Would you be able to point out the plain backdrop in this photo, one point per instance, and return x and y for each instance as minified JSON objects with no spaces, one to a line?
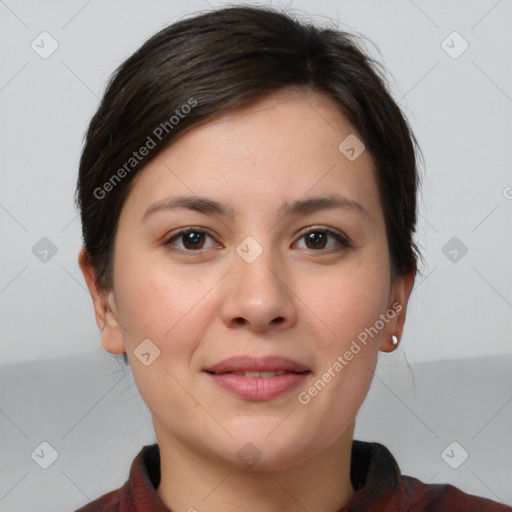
{"x":458,"y":101}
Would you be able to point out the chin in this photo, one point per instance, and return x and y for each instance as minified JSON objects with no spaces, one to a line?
{"x":261,"y":446}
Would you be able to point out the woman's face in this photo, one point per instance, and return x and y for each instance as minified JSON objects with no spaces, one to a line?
{"x":248,"y":281}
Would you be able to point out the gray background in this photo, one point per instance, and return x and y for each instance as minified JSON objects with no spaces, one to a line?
{"x":56,"y":383}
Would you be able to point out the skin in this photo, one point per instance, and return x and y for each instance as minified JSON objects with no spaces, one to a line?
{"x":296,"y":300}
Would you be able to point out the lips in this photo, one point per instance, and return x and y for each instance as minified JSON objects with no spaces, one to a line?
{"x":251,"y":367}
{"x":254,"y":379}
{"x":258,"y":375}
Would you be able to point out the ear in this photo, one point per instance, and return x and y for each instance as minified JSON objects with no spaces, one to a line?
{"x":105,"y":307}
{"x":398,"y":300}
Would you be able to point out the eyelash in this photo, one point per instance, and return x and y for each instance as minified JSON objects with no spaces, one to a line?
{"x":341,"y":239}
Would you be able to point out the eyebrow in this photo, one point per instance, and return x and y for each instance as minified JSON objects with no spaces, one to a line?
{"x":300,"y":206}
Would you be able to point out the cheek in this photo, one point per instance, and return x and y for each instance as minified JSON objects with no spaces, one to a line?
{"x":349,"y":303}
{"x":158,"y":302}
{"x":165,"y":308}
{"x":346,"y":303}
{"x":147,"y":305}
{"x":144,"y":303}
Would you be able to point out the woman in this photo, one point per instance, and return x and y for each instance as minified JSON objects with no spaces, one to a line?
{"x":248,"y":199}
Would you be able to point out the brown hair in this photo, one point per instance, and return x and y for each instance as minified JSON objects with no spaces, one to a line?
{"x":202,"y":67}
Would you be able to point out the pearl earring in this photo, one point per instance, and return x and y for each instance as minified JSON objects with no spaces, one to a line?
{"x":394,"y":340}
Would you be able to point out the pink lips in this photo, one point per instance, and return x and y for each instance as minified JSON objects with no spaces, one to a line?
{"x":253,"y":364}
{"x":258,"y":378}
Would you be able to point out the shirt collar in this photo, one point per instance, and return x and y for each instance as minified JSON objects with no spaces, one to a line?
{"x":374,"y":473}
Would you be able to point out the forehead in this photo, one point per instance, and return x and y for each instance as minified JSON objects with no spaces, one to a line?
{"x":279,"y":149}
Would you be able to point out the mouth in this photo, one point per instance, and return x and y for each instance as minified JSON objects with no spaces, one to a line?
{"x":258,"y":367}
{"x":257,"y":375}
{"x":258,"y":378}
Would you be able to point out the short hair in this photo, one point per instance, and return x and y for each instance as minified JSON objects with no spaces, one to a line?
{"x":207,"y":65}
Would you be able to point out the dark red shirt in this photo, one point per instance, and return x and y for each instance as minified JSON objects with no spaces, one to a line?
{"x":374,"y":472}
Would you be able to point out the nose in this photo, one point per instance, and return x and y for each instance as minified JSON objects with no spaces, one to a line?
{"x":258,"y":295}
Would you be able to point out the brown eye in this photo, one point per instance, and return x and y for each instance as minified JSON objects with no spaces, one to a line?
{"x":193,"y":240}
{"x":315,"y":240}
{"x":319,"y":239}
{"x":189,"y":240}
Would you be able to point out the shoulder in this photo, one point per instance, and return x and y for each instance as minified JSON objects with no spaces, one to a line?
{"x":109,"y":502}
{"x":380,"y":485}
{"x":423,"y":497}
{"x":139,"y":491}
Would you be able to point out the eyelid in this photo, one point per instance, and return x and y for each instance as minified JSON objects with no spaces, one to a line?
{"x":339,"y":236}
{"x":188,"y":229}
{"x":183,"y":231}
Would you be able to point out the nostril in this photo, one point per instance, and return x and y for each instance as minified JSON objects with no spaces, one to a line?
{"x":278,"y":320}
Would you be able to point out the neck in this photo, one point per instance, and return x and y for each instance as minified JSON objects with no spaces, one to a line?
{"x":191,"y":481}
